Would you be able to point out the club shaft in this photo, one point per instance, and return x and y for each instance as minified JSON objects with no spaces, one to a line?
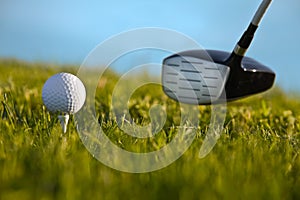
{"x":260,"y":12}
{"x":246,"y":39}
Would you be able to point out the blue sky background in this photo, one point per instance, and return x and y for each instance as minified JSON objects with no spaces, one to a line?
{"x":66,"y":31}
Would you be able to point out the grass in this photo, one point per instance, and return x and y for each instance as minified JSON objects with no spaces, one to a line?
{"x":257,"y":156}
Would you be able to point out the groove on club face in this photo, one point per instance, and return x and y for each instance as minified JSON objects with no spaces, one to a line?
{"x":192,"y":80}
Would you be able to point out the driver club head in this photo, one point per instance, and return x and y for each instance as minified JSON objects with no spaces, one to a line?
{"x":211,"y":76}
{"x":203,"y":77}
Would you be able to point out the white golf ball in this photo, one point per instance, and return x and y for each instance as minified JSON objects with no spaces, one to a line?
{"x":63,"y":92}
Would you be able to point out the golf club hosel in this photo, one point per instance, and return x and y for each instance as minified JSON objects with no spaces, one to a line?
{"x":246,"y":39}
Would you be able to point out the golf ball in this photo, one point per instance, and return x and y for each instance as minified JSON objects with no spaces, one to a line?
{"x":63,"y":92}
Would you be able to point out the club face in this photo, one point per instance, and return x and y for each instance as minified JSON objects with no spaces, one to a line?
{"x":182,"y":84}
{"x":193,"y":80}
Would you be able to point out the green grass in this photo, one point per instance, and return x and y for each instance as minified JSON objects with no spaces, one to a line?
{"x":257,"y":156}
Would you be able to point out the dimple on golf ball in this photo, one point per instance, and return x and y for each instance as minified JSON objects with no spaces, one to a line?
{"x":63,"y":92}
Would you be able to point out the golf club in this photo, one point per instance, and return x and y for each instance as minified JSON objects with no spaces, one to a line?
{"x":210,"y":76}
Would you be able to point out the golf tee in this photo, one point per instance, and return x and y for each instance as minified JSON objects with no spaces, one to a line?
{"x":63,"y":119}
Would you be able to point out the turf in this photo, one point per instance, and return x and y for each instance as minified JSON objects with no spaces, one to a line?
{"x":256,"y":157}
